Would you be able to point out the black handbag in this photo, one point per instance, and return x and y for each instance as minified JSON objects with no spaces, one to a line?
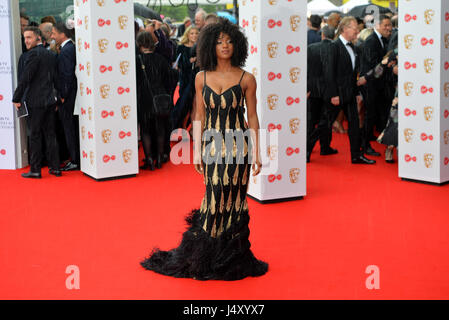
{"x":162,"y":103}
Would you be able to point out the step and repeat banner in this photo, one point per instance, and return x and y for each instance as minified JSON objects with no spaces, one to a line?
{"x":277,"y":35}
{"x":7,"y":113}
{"x":424,"y":90}
{"x":106,"y":98}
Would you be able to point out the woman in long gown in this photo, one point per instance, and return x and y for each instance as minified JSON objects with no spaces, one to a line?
{"x":216,"y":244}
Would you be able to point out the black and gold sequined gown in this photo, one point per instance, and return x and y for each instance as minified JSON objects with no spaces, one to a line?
{"x":216,"y":244}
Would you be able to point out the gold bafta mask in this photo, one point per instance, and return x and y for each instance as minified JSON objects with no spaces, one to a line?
{"x":106,"y":135}
{"x":91,"y":157}
{"x":408,"y":88}
{"x":408,"y":135}
{"x":294,"y":125}
{"x":126,"y":112}
{"x":272,"y":100}
{"x":446,"y":89}
{"x":272,"y":152}
{"x":83,"y":132}
{"x":100,"y":3}
{"x":446,"y":40}
{"x":90,"y":112}
{"x":446,"y":137}
{"x":428,"y":16}
{"x":124,"y":67}
{"x":295,"y":22}
{"x":81,"y":89}
{"x":243,"y":2}
{"x":86,"y":22}
{"x":88,"y":68}
{"x":255,"y":72}
{"x":294,"y":175}
{"x":80,"y":44}
{"x":294,"y":74}
{"x":127,"y":155}
{"x":104,"y":91}
{"x":77,"y":3}
{"x":254,"y":23}
{"x":428,"y":113}
{"x":428,"y":160}
{"x":408,"y":41}
{"x":103,"y":45}
{"x":272,"y":2}
{"x":272,"y":49}
{"x":122,"y":22}
{"x":428,"y":65}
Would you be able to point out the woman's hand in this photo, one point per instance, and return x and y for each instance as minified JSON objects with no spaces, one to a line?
{"x":257,"y":165}
{"x":198,"y":163}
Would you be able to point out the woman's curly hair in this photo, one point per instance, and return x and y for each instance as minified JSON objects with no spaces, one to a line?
{"x":207,"y":41}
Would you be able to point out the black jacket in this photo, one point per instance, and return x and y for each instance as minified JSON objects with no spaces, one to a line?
{"x":67,"y":84}
{"x":317,"y":58}
{"x":340,"y":77}
{"x":372,"y":55}
{"x":38,"y":79}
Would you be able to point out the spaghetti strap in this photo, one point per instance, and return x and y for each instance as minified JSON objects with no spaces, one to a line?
{"x":242,"y":77}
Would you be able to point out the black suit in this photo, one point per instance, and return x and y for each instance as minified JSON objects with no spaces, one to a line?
{"x":67,"y":85}
{"x":377,"y":104}
{"x":317,"y":103}
{"x":341,"y":80}
{"x":36,"y":89}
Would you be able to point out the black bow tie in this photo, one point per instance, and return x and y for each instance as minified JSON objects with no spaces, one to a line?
{"x":351,"y":45}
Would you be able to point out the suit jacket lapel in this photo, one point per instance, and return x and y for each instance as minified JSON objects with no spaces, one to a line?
{"x":345,"y":52}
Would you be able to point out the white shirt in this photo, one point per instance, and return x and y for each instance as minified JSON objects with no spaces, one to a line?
{"x":64,"y":43}
{"x":380,"y":38}
{"x":349,"y":49}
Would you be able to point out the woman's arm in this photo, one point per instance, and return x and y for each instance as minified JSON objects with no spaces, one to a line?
{"x":198,"y":122}
{"x":250,"y":88}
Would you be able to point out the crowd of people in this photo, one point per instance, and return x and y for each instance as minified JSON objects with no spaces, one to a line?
{"x":352,"y":74}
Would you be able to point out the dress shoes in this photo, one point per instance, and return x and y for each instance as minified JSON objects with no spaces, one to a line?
{"x":70,"y":166}
{"x":54,"y":172}
{"x":371,"y":152}
{"x":165,"y":158}
{"x":362,"y":160}
{"x":33,"y":175}
{"x":159,"y":162}
{"x":328,"y":151}
{"x":148,"y":164}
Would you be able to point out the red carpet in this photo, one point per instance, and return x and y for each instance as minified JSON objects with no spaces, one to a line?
{"x":318,"y":248}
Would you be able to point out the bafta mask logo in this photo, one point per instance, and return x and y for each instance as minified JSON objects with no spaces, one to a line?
{"x":446,"y":40}
{"x":294,"y":74}
{"x":255,"y":73}
{"x":90,"y":112}
{"x":80,"y":44}
{"x":428,"y":113}
{"x":428,"y":65}
{"x":408,"y":88}
{"x":294,"y":175}
{"x":254,"y":23}
{"x":103,"y":45}
{"x":83,"y":132}
{"x":272,"y":49}
{"x":272,"y":100}
{"x":86,"y":22}
{"x":127,"y":154}
{"x":100,"y":3}
{"x":106,"y":135}
{"x":408,"y":135}
{"x":446,"y":137}
{"x":91,"y":157}
{"x":81,"y":89}
{"x":446,"y":89}
{"x":408,"y":41}
{"x":243,"y":2}
{"x":88,"y":68}
{"x":272,"y":152}
{"x":104,"y":91}
{"x":428,"y":16}
{"x":126,"y":112}
{"x":428,"y":160}
{"x":124,"y":67}
{"x":295,"y":22}
{"x":294,"y":125}
{"x":123,"y":22}
{"x":272,"y":2}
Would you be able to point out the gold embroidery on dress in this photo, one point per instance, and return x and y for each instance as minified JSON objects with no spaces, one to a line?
{"x":223,"y":148}
{"x":245,"y":205}
{"x":215,"y":175}
{"x":222,"y":202}
{"x":238,"y":202}
{"x":213,"y":233}
{"x":229,"y":204}
{"x":234,"y":100}
{"x":226,"y":176}
{"x":236,"y":176}
{"x":212,"y":203}
{"x":212,"y":102}
{"x":223,"y":102}
{"x":245,"y":175}
{"x":212,"y":148}
{"x":245,"y":147}
{"x":229,"y":222}
{"x":220,"y":229}
{"x":217,"y":124}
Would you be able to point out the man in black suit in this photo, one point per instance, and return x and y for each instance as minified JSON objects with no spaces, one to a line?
{"x":318,"y":102}
{"x":313,"y":35}
{"x":38,"y":80}
{"x":340,"y":74}
{"x":67,"y":87}
{"x":377,"y":102}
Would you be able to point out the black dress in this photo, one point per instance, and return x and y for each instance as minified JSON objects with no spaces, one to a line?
{"x":216,"y":245}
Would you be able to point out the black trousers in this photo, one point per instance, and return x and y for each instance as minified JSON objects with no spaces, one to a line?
{"x":71,"y":130}
{"x":318,"y":126}
{"x":377,"y":109}
{"x":42,"y":125}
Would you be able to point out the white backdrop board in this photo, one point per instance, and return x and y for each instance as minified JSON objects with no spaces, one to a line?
{"x":106,"y":96}
{"x":277,"y":35}
{"x":424,"y":90}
